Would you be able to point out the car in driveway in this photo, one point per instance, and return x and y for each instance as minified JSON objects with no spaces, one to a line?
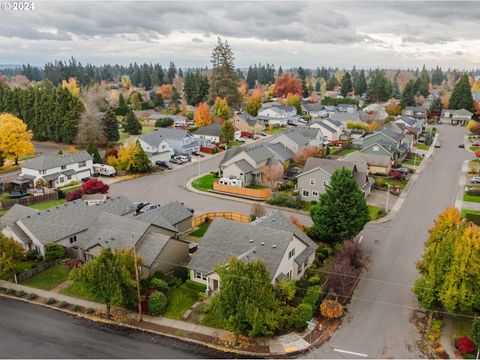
{"x":177,"y":161}
{"x":183,"y":158}
{"x":401,"y":170}
{"x":475,"y":180}
{"x":163,"y":164}
{"x":147,"y":208}
{"x":438,"y":145}
{"x":198,"y":153}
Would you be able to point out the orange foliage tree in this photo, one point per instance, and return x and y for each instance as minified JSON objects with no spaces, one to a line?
{"x":331,"y":309}
{"x":202,"y":115}
{"x":304,"y":153}
{"x":254,"y":101}
{"x":166,"y":91}
{"x":271,"y":175}
{"x":476,"y":107}
{"x":393,"y":109}
{"x":287,"y":83}
{"x":297,"y":222}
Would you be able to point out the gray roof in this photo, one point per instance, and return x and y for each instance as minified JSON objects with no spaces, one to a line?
{"x":326,"y":164}
{"x":62,"y":221}
{"x":45,"y":162}
{"x":416,"y":108}
{"x":407,"y":119}
{"x":335,"y":122}
{"x":226,"y":238}
{"x":172,"y":134}
{"x":323,"y":125}
{"x":309,"y":133}
{"x":210,"y":130}
{"x":150,"y":246}
{"x":281,"y":152}
{"x":313,"y":107}
{"x":153,"y":139}
{"x":250,"y":120}
{"x":287,"y":108}
{"x":259,"y":153}
{"x":391,"y":134}
{"x":344,"y":116}
{"x":296,"y":136}
{"x":244,"y":166}
{"x":12,"y":216}
{"x":371,"y":159}
{"x":166,"y":216}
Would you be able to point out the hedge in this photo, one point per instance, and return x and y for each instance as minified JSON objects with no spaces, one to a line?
{"x":286,"y":201}
{"x":305,"y":313}
{"x":157,"y":303}
{"x":308,"y":306}
{"x":195,"y":286}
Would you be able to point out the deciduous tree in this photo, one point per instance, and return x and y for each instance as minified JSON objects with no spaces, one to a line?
{"x":15,"y":139}
{"x":271,"y":175}
{"x":287,"y":84}
{"x":10,"y":254}
{"x":221,"y":109}
{"x":227,"y":132}
{"x":202,"y":115}
{"x":294,"y":100}
{"x":71,"y":85}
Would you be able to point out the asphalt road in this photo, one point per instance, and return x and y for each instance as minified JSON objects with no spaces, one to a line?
{"x":377,"y":324}
{"x":31,"y":331}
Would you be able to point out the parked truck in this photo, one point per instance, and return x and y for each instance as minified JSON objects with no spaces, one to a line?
{"x":104,"y":170}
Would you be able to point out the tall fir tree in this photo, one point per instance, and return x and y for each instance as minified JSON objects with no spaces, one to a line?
{"x":171,"y":72}
{"x":379,"y":89}
{"x":110,"y":124}
{"x":141,"y":161}
{"x":461,"y":97}
{"x":408,"y":95}
{"x":93,"y":151}
{"x":346,"y":85}
{"x":131,"y":123}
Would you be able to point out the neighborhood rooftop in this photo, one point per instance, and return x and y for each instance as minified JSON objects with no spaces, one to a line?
{"x":45,"y":162}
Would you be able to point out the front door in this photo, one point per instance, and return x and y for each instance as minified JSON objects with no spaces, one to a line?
{"x":215,"y":285}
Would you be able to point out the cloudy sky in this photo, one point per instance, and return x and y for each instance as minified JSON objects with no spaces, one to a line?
{"x":365,"y":34}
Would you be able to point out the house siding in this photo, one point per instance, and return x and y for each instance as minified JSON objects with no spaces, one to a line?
{"x":303,"y":180}
{"x":172,"y":255}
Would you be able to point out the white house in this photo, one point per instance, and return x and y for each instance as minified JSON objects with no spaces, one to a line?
{"x":328,"y":131}
{"x":156,"y":147}
{"x":58,"y":170}
{"x":209,"y":133}
{"x":278,"y":111}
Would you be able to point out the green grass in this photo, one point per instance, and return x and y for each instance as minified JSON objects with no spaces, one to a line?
{"x":235,"y":143}
{"x":145,"y":130}
{"x":466,"y":211}
{"x":422,"y":146}
{"x":471,"y":198}
{"x":254,"y":186}
{"x":374,"y":212}
{"x":180,"y":299}
{"x":392,"y":182}
{"x":414,"y":162}
{"x":48,"y":204}
{"x":78,"y":291}
{"x":346,"y":152}
{"x":201,"y":230}
{"x":474,"y":148}
{"x":205,"y":183}
{"x":48,"y":279}
{"x":23,"y":266}
{"x":275,"y":130}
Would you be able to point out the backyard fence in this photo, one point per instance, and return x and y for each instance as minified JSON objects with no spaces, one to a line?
{"x":261,"y":194}
{"x":29,"y":273}
{"x":29,"y":200}
{"x":196,"y":221}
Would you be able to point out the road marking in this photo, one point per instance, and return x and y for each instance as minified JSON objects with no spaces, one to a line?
{"x":360,"y":240}
{"x":350,"y":352}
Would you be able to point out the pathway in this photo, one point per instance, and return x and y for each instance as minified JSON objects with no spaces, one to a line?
{"x":62,"y":286}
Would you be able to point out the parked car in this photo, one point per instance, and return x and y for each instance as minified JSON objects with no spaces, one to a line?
{"x":230,"y":182}
{"x":183,"y":158}
{"x":198,"y":153}
{"x":147,"y":208}
{"x":139,"y":205}
{"x":163,"y":164}
{"x":395,"y":174}
{"x":475,"y":180}
{"x":177,"y":161}
{"x":262,"y":133}
{"x":403,"y":171}
{"x":291,"y":172}
{"x":105,"y":170}
{"x":461,"y":146}
{"x":438,"y":145}
{"x":240,"y":139}
{"x":422,"y":141}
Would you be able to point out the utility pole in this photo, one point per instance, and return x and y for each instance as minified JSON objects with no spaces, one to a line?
{"x":137,"y":280}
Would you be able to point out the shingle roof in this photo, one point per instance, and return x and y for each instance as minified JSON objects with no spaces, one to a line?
{"x":323,"y":125}
{"x":166,"y":216}
{"x":309,"y":133}
{"x":326,"y":164}
{"x":281,"y":152}
{"x":244,"y":166}
{"x":225,"y":238}
{"x":371,"y":159}
{"x":407,"y":119}
{"x":296,"y":136}
{"x":210,"y":130}
{"x":313,"y":107}
{"x":416,"y":108}
{"x":150,"y":246}
{"x":173,"y":134}
{"x":287,"y":108}
{"x":11,"y":217}
{"x":250,"y":120}
{"x":391,"y":134}
{"x":259,"y":153}
{"x":344,"y":116}
{"x":153,"y":139}
{"x":45,"y":162}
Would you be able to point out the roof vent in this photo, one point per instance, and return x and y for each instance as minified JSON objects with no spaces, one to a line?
{"x":274,"y":246}
{"x":262,"y":243}
{"x":251,"y":241}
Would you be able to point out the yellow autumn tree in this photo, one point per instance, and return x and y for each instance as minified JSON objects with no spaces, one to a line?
{"x":15,"y":139}
{"x":221,"y":109}
{"x":202,"y":115}
{"x":126,"y":82}
{"x":125,"y":159}
{"x":72,"y":86}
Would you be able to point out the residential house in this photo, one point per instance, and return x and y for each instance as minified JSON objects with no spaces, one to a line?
{"x":329,"y":132}
{"x":210,"y":133}
{"x":335,"y":124}
{"x":246,"y":122}
{"x":413,"y":126}
{"x":58,"y":170}
{"x":156,"y":147}
{"x":417,"y":112}
{"x":314,"y":110}
{"x":286,"y":251}
{"x":345,"y":117}
{"x":180,"y":141}
{"x":455,"y":117}
{"x":178,"y":120}
{"x":373,"y":163}
{"x":83,"y":230}
{"x":387,"y":142}
{"x":298,"y":137}
{"x":349,"y":108}
{"x":278,"y":115}
{"x":316,"y":174}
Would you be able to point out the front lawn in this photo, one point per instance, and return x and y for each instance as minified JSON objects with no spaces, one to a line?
{"x":205,"y":183}
{"x":25,"y":265}
{"x":48,"y":204}
{"x":422,"y":146}
{"x":474,"y":148}
{"x":78,"y":291}
{"x":235,"y":143}
{"x":180,"y":299}
{"x":275,"y":130}
{"x":392,"y":182}
{"x":471,"y":198}
{"x":346,"y":152}
{"x":466,"y":211}
{"x":255,"y":186}
{"x":48,"y":279}
{"x":374,"y":212}
{"x":145,"y":130}
{"x":413,"y":161}
{"x":201,"y":230}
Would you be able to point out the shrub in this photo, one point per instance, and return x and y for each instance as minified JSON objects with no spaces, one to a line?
{"x":331,"y":309}
{"x":465,"y":345}
{"x":159,"y":284}
{"x":94,"y":186}
{"x":31,"y":255}
{"x":63,"y":304}
{"x":89,"y":311}
{"x":305,"y":313}
{"x":73,"y":263}
{"x":54,"y":251}
{"x":74,"y":195}
{"x":32,"y":296}
{"x":20,"y":293}
{"x":157,"y":303}
{"x":287,"y":201}
{"x":182,"y":273}
{"x":195,"y":286}
{"x":163,"y":123}
{"x":76,"y":308}
{"x":473,"y":191}
{"x":10,"y":291}
{"x":312,"y":296}
{"x":51,"y":300}
{"x":173,"y":281}
{"x":323,"y":252}
{"x":121,"y":316}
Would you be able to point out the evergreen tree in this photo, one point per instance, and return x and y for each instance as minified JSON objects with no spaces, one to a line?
{"x":332,"y":83}
{"x":461,"y":97}
{"x":122,"y":106}
{"x":227,"y":132}
{"x":195,"y":88}
{"x":280,"y":71}
{"x":422,"y":83}
{"x":172,"y":71}
{"x":342,"y":211}
{"x":436,"y":106}
{"x":110,"y":124}
{"x":251,"y":77}
{"x":437,"y":76}
{"x":180,"y":72}
{"x":346,"y":85}
{"x":131,"y":124}
{"x":176,"y":100}
{"x":408,"y":95}
{"x":223,"y":79}
{"x":141,"y":161}
{"x":158,"y":100}
{"x":92,"y":150}
{"x":317,"y":86}
{"x":145,"y":78}
{"x":379,"y":89}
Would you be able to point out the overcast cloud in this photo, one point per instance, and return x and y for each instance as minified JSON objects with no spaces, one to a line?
{"x":365,"y":34}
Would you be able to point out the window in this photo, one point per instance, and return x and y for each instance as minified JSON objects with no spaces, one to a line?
{"x":325,"y":183}
{"x":73,"y":239}
{"x":199,"y":275}
{"x":64,"y":167}
{"x":82,"y":164}
{"x":69,"y":177}
{"x":289,"y":274}
{"x":291,"y":253}
{"x":43,"y":172}
{"x":312,"y":181}
{"x":314,"y":193}
{"x":299,"y":270}
{"x":61,"y":179}
{"x":306,"y":193}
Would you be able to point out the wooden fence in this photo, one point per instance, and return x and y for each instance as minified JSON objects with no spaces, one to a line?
{"x":261,"y":194}
{"x":226,"y":215}
{"x":28,"y":274}
{"x":29,"y":200}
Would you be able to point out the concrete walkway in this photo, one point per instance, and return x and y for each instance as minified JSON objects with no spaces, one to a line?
{"x":62,"y":286}
{"x":459,"y":204}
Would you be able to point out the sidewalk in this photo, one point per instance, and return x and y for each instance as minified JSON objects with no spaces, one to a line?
{"x":459,"y":203}
{"x":291,"y":343}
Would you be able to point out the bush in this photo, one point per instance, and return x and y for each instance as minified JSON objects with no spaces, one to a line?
{"x":54,"y":251}
{"x":73,"y":263}
{"x":305,"y":313}
{"x":465,"y":345}
{"x":89,"y":311}
{"x":10,"y":291}
{"x":32,"y":296}
{"x":94,"y":186}
{"x":31,"y":255}
{"x":74,"y":195}
{"x":20,"y":293}
{"x":195,"y":286}
{"x":473,"y":191}
{"x":159,"y":284}
{"x":182,"y":273}
{"x":323,"y":252}
{"x":331,"y":309}
{"x":76,"y":308}
{"x":157,"y":303}
{"x":51,"y":300}
{"x":163,"y":123}
{"x":312,"y":296}
{"x":173,"y":281}
{"x":63,"y":304}
{"x":286,"y":201}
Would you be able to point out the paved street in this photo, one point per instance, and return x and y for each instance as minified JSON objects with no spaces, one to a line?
{"x":31,"y":331}
{"x":377,"y":324}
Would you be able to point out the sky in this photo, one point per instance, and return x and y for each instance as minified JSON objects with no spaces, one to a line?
{"x":404,"y":34}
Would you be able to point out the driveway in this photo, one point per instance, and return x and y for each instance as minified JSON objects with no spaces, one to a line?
{"x":377,"y":324}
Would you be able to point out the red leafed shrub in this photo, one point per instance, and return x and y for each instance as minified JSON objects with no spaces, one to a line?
{"x":73,"y":263}
{"x":465,"y":345}
{"x":94,"y":186}
{"x":74,"y":195}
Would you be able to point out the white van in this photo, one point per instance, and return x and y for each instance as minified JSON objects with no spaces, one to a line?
{"x":230,"y":182}
{"x":104,"y":170}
